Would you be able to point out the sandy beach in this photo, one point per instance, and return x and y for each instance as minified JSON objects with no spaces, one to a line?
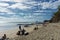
{"x":12,"y":32}
{"x":50,"y":32}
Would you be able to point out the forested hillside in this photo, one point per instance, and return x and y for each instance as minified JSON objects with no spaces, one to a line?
{"x":56,"y":17}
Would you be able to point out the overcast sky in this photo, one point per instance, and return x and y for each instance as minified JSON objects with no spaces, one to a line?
{"x":27,"y":10}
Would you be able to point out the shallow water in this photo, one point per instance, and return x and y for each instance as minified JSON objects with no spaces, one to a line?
{"x":9,"y":26}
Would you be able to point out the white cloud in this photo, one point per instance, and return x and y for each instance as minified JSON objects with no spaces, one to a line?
{"x":1,"y":17}
{"x":18,"y":0}
{"x":55,"y":5}
{"x":13,"y":0}
{"x":43,"y":11}
{"x":20,"y":6}
{"x":4,"y":0}
{"x":12,"y":19}
{"x":45,"y":5}
{"x":32,"y":3}
{"x":21,"y":13}
{"x":8,"y":19}
{"x":50,"y":4}
{"x":4,"y":4}
{"x":5,"y":11}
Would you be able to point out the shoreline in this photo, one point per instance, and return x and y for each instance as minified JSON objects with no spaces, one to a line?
{"x":11,"y":33}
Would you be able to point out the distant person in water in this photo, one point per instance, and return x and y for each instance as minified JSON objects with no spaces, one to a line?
{"x":19,"y":27}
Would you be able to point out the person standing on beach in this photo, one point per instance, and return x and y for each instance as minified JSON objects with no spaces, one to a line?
{"x":19,"y":27}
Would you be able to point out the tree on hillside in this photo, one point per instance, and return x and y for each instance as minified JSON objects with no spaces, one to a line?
{"x":56,"y":17}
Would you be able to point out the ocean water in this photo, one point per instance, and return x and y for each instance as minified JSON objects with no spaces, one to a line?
{"x":9,"y":26}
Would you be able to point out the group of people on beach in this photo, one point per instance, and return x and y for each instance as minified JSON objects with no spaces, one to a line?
{"x":22,"y":31}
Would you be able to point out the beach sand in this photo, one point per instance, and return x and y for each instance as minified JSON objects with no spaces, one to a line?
{"x":49,"y":32}
{"x":12,"y":33}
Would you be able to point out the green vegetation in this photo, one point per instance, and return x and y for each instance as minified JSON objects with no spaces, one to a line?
{"x":56,"y":17}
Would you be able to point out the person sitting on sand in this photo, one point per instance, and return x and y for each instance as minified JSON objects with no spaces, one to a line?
{"x":23,"y":31}
{"x":36,"y":27}
{"x":18,"y":33}
{"x":4,"y":37}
